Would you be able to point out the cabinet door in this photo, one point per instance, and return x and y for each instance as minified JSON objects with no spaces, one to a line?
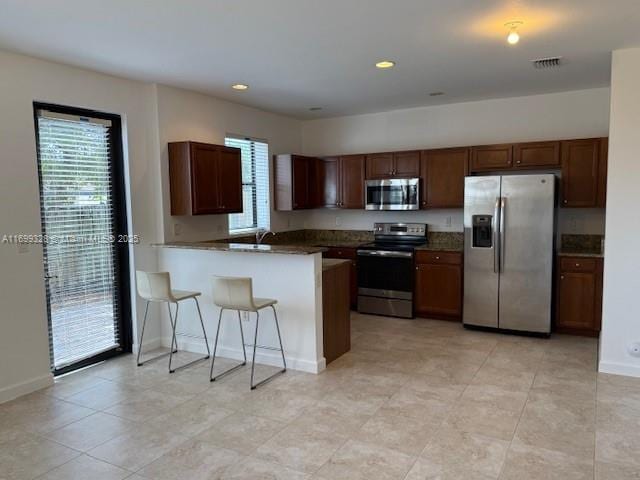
{"x":406,"y":164}
{"x":352,"y":181}
{"x":229,"y":173}
{"x":602,"y":172}
{"x":491,"y":158}
{"x":327,"y":178}
{"x":576,"y":301}
{"x":300,"y":180}
{"x":438,"y":289}
{"x":580,"y":172}
{"x":536,"y":155}
{"x":379,"y":165}
{"x":443,"y":173}
{"x":204,"y":179}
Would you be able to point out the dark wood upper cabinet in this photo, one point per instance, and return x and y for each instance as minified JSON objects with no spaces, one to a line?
{"x":491,"y":157}
{"x":406,"y":164}
{"x":296,"y":183}
{"x":579,"y":295}
{"x":443,"y":173}
{"x":204,"y":179}
{"x":327,"y":182}
{"x":351,"y":181}
{"x":536,"y":155}
{"x":602,"y":172}
{"x":379,"y":165}
{"x":580,"y":167}
{"x":390,"y":165}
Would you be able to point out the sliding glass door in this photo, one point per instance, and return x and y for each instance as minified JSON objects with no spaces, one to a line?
{"x":85,"y":238}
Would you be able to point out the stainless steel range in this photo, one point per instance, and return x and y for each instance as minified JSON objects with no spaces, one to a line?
{"x":386,"y":269}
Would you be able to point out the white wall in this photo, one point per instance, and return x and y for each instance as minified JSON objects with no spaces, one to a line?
{"x":621,"y":320}
{"x":24,"y":349}
{"x":577,"y":114}
{"x":185,"y":115}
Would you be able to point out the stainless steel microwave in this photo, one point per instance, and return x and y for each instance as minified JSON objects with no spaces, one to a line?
{"x":392,"y":194}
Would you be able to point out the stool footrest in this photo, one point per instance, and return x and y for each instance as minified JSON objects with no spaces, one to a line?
{"x":269,"y":378}
{"x":227,"y":372}
{"x":157,"y":357}
{"x":189,"y":363}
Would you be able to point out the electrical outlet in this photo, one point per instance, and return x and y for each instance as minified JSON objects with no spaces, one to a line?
{"x":338,"y":221}
{"x":634,"y":349}
{"x":245,"y":316}
{"x":448,"y":221}
{"x":177,"y":229}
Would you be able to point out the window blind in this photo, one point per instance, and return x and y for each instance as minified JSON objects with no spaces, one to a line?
{"x":77,"y":211}
{"x":255,"y":185}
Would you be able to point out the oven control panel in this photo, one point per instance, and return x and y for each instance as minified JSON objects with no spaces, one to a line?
{"x":399,"y":229}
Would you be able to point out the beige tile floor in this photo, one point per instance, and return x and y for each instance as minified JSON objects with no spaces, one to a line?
{"x":413,"y":400}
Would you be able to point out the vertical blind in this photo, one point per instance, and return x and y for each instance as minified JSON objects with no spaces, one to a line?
{"x":77,"y":211}
{"x":255,"y":184}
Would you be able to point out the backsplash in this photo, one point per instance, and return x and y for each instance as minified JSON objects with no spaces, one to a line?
{"x":446,"y":240}
{"x":570,"y":243}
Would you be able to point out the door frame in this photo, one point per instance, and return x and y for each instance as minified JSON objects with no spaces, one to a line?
{"x":120,"y":227}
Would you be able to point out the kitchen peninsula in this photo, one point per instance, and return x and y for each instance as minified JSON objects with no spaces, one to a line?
{"x":290,"y":274}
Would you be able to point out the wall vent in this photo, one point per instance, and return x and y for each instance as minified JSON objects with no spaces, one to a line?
{"x":549,"y":62}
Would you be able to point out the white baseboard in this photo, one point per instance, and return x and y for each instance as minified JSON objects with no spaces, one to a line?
{"x":619,"y":369}
{"x":264,"y":357}
{"x":23,"y":388}
{"x":148,"y":345}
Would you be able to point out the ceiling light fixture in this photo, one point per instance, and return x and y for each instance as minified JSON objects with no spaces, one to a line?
{"x":514,"y":36}
{"x":385,"y":64}
{"x":240,"y":86}
{"x":436,"y":94}
{"x":315,"y":109}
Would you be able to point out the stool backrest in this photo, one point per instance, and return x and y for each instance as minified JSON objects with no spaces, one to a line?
{"x":154,"y":285}
{"x":234,"y":293}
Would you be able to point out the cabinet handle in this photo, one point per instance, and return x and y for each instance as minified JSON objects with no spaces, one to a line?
{"x":561,"y":277}
{"x":519,"y":161}
{"x":416,"y":268}
{"x":577,"y":264}
{"x":437,"y":258}
{"x":564,"y":201}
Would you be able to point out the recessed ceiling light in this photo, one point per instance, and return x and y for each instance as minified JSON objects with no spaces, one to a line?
{"x":315,"y":109}
{"x":436,"y":94}
{"x":514,"y":36}
{"x":385,"y":64}
{"x":240,"y":86}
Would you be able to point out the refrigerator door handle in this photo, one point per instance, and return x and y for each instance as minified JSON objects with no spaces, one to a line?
{"x":496,"y":236}
{"x":503,"y":204}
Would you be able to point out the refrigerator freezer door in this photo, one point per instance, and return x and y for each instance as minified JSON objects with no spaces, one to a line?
{"x":481,"y":278}
{"x":526,"y":253}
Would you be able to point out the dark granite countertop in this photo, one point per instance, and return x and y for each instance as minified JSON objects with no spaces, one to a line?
{"x":588,"y":246}
{"x":244,"y":247}
{"x":580,"y":254}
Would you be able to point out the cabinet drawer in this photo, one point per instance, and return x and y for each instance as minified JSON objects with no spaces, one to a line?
{"x":577,"y":264}
{"x":335,"y":252}
{"x":442,"y":258}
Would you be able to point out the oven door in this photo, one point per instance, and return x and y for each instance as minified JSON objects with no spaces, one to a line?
{"x":386,"y":274}
{"x":393,"y":194}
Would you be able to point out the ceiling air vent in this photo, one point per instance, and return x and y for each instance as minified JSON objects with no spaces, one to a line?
{"x":549,"y":62}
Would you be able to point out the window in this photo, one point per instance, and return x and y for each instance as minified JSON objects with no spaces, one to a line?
{"x":255,"y":185}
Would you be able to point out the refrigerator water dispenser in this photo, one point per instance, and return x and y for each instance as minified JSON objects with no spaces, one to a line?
{"x":482,"y":234}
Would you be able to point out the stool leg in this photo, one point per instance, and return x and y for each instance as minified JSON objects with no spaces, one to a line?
{"x":244,"y":351}
{"x":255,"y":344}
{"x":204,"y":332}
{"x":174,"y":340}
{"x":144,"y":323}
{"x":275,"y":315}
{"x":215,"y":349}
{"x":142,"y":335}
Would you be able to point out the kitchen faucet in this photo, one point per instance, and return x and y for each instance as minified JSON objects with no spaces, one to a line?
{"x":261,"y":233}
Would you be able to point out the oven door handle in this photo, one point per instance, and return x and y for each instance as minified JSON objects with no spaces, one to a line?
{"x":384,"y":253}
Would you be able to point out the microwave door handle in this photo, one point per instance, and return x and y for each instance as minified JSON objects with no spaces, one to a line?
{"x":503,"y":208}
{"x":495,"y":228}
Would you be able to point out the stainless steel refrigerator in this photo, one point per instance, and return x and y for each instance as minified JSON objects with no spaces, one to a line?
{"x":508,"y":252}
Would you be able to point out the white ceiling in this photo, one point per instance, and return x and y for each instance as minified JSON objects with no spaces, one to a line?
{"x":297,"y":54}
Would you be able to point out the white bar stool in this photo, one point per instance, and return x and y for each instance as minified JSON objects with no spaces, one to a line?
{"x":236,"y":293}
{"x":156,"y":287}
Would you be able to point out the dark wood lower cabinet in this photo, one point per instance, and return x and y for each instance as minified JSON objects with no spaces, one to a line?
{"x":438,"y":285}
{"x":347,"y":253}
{"x":336,"y":326}
{"x":579,"y":295}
